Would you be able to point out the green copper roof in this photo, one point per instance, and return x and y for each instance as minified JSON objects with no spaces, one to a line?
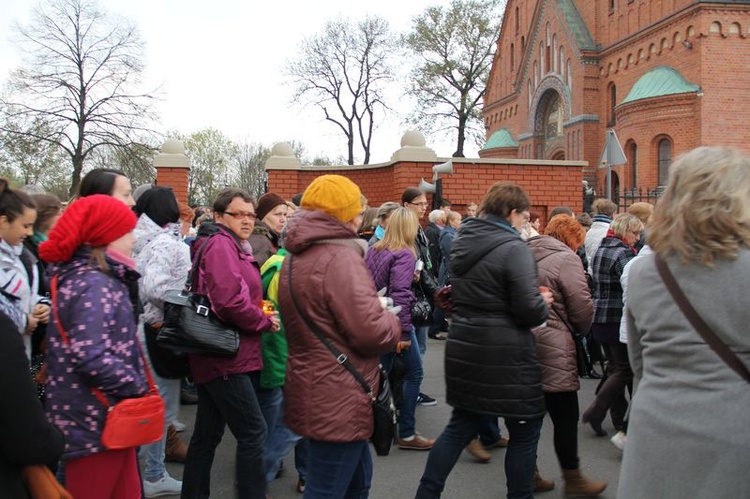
{"x":576,"y":25}
{"x":658,"y":82}
{"x":501,"y":138}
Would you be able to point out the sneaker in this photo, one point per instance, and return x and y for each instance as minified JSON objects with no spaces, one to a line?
{"x":301,"y":485}
{"x":425,"y":400}
{"x":165,"y":486}
{"x":416,"y":443}
{"x":619,"y":440}
{"x":179,"y":426}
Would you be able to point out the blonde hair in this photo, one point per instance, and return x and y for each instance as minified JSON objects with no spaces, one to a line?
{"x":604,"y":206}
{"x":704,"y":213}
{"x":401,"y":232}
{"x":625,"y":222}
{"x":642,"y":210}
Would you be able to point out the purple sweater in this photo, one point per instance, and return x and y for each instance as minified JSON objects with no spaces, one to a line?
{"x":394,"y":270}
{"x":95,"y":311}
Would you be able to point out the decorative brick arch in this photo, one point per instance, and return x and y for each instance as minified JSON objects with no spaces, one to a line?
{"x":551,"y":83}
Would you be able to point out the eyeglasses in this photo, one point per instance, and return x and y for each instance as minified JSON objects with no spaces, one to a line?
{"x":239,"y":215}
{"x":423,"y":203}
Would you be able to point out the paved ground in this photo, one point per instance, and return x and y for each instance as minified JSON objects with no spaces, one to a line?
{"x":397,"y":475}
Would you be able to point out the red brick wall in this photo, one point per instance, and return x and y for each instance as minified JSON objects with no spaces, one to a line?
{"x":176,"y":178}
{"x":548,"y":185}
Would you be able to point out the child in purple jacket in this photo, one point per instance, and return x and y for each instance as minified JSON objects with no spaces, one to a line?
{"x":92,"y":342}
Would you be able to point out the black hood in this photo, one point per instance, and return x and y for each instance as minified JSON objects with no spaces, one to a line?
{"x":475,"y":239}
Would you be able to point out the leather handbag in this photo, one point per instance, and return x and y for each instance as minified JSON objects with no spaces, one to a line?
{"x":190,"y":326}
{"x":383,"y":408}
{"x":132,"y":421}
{"x":166,"y":363}
{"x":421,"y":310}
{"x":42,"y":484}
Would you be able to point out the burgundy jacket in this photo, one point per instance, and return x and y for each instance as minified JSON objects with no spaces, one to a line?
{"x":561,"y":270}
{"x":230,"y":277}
{"x":333,"y":287}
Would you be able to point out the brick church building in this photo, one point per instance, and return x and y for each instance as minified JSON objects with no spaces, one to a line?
{"x":665,"y":75}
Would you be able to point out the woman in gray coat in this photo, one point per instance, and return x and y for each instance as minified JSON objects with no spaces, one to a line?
{"x":688,"y":432}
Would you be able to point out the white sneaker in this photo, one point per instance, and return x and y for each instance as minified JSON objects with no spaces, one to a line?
{"x":179,"y":426}
{"x":165,"y":486}
{"x":619,"y":440}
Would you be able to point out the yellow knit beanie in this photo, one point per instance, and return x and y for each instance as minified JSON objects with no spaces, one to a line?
{"x":335,"y":195}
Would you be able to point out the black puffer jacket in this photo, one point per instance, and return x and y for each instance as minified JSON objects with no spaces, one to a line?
{"x":491,"y":365}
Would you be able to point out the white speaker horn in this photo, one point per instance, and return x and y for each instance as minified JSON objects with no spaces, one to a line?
{"x":426,"y":187}
{"x":446,"y":167}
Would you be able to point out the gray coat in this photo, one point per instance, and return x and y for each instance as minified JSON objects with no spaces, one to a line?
{"x":688,"y":432}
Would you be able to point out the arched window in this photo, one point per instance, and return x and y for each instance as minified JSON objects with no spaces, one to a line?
{"x":612,"y":103}
{"x":632,"y":152}
{"x":512,"y":57}
{"x":553,"y":118}
{"x":664,"y":154}
{"x":518,"y":20}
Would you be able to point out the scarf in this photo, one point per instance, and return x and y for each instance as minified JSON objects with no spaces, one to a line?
{"x":612,"y":234}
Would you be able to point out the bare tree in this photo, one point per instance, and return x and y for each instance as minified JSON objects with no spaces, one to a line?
{"x":455,"y":46}
{"x":343,"y":71}
{"x":135,"y":160}
{"x":81,"y":74}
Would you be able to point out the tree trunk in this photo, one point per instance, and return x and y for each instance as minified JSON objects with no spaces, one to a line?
{"x":461,"y":138}
{"x":76,"y":176}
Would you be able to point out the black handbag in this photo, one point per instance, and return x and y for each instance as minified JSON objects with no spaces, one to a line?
{"x":190,"y":326}
{"x":383,"y":408}
{"x":166,"y":363}
{"x":421,"y":310}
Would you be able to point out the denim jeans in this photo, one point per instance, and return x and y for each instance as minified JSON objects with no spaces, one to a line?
{"x":422,"y":338}
{"x":281,"y":439}
{"x":169,"y":389}
{"x":411,"y":385}
{"x":302,"y":457}
{"x":490,"y":433}
{"x":227,"y":401}
{"x":339,"y":470}
{"x":520,"y":458}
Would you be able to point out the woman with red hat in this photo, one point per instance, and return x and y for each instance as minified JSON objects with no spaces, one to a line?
{"x":92,"y":341}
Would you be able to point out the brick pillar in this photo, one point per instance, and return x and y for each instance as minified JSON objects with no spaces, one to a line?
{"x":172,"y":168}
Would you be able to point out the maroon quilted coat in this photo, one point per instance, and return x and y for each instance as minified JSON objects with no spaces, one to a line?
{"x":561,"y":270}
{"x":333,"y":286}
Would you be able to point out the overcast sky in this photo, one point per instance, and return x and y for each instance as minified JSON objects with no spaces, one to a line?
{"x":220,"y":64}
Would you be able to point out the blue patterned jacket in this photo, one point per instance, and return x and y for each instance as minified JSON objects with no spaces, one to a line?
{"x":96,"y":313}
{"x":609,"y":261}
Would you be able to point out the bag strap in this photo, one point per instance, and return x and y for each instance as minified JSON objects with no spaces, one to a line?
{"x":341,"y":358}
{"x":66,"y":339}
{"x":698,"y":323}
{"x":196,"y":262}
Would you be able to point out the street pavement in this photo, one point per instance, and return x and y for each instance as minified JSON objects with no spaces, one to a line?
{"x":397,"y":476}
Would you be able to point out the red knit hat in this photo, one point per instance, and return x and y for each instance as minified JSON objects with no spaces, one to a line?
{"x":94,"y":220}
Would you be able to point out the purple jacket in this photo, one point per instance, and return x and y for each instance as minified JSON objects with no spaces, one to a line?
{"x":103,"y":352}
{"x":394,"y":270}
{"x":230,"y":277}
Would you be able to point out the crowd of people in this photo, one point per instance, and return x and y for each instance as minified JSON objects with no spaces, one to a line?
{"x":326,"y":293}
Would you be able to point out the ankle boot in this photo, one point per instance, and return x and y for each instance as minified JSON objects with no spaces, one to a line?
{"x":476,"y":449}
{"x":542,"y":484}
{"x":175,"y":450}
{"x":577,"y":485}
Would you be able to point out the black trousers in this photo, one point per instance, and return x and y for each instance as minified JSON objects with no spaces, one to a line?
{"x":563,"y":410}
